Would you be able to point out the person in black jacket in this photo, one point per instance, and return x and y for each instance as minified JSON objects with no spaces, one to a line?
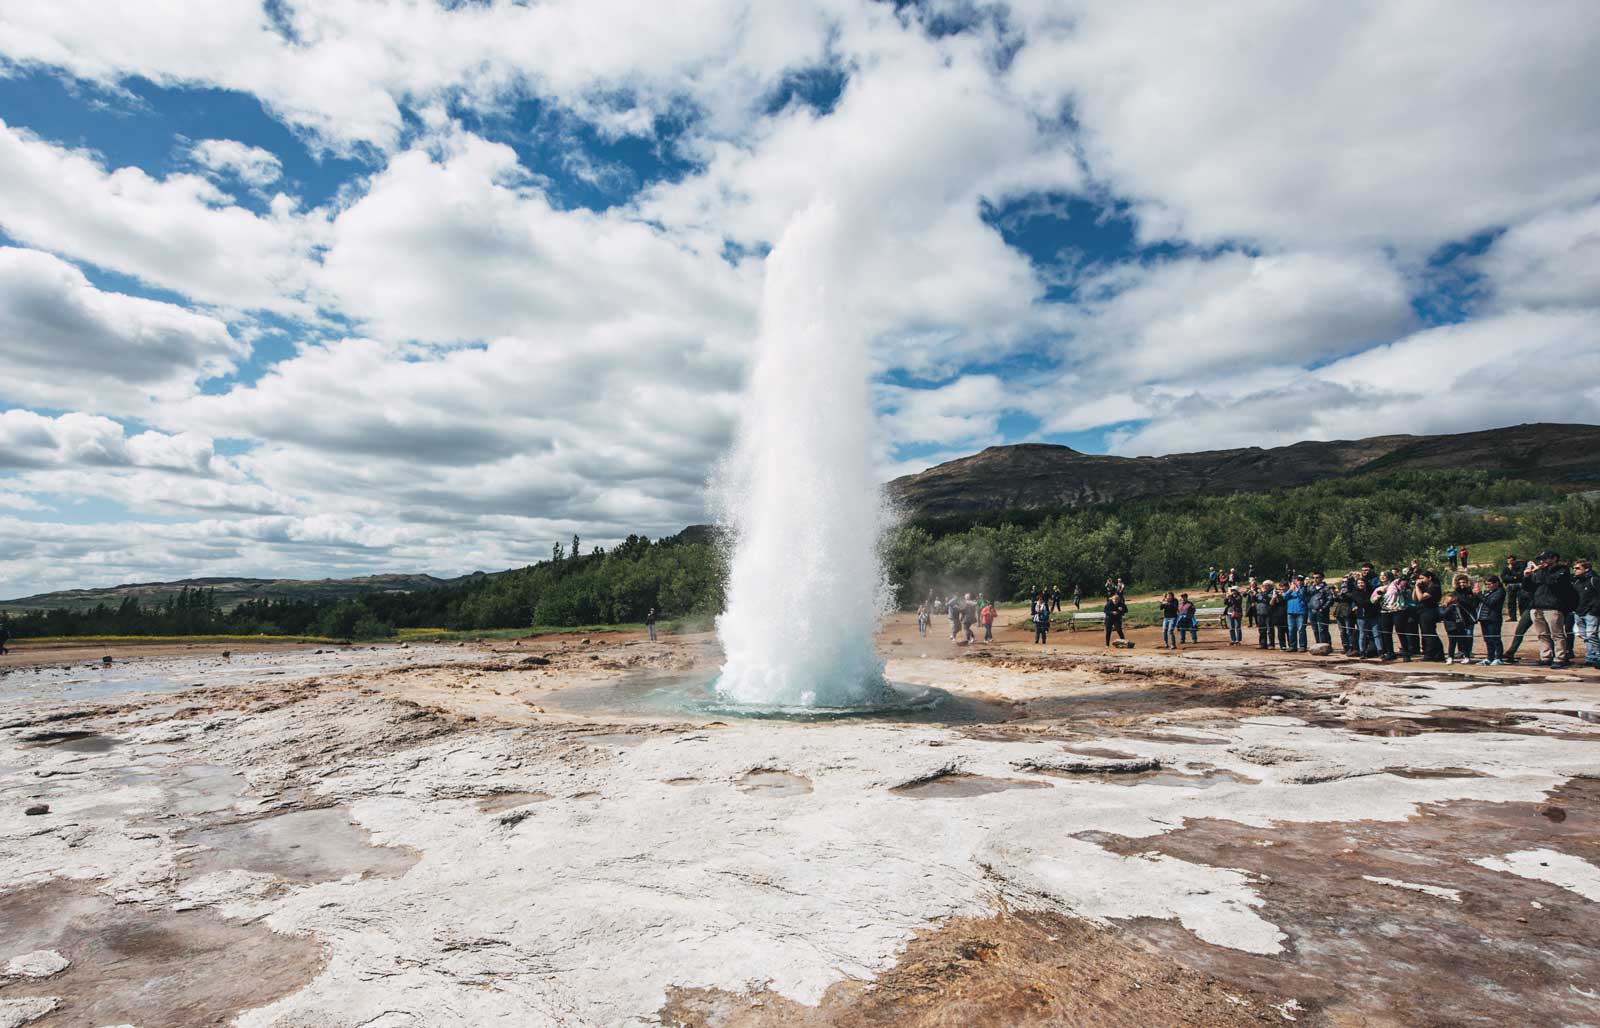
{"x":1116,"y":607}
{"x":1490,"y":606}
{"x":1586,"y":623}
{"x":1427,"y":594}
{"x":1261,"y":605}
{"x":1278,"y":616}
{"x":1365,"y":612}
{"x":1548,"y":589}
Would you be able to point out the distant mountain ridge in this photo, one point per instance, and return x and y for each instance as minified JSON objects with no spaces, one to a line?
{"x":1038,"y":476}
{"x":231,"y":592}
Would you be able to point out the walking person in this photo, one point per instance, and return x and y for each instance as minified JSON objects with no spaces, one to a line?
{"x":923,"y":617}
{"x":1115,"y":609}
{"x":1295,"y":607}
{"x":1548,"y":588}
{"x":952,"y":610}
{"x":1462,"y":552}
{"x":1169,"y":622}
{"x":1491,"y":604}
{"x":1428,"y":596}
{"x":1586,"y":623}
{"x":650,"y":623}
{"x":1077,"y":596}
{"x":969,"y":617}
{"x":1460,"y":614}
{"x":987,"y":617}
{"x":1233,"y":612}
{"x":1041,"y":619}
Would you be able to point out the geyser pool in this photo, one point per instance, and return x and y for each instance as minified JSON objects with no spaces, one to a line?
{"x":800,"y":496}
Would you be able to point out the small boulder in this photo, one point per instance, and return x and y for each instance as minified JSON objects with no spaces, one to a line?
{"x":44,"y":963}
{"x":534,"y":660}
{"x":1320,"y":649}
{"x":37,"y":809}
{"x":1123,"y":644}
{"x":106,"y":659}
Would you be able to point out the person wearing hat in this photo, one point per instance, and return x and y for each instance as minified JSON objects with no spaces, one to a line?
{"x":1547,"y":586}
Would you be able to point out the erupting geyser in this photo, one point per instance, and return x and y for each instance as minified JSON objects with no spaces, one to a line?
{"x":800,"y":495}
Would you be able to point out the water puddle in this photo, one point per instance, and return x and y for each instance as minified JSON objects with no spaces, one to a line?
{"x":303,"y":845}
{"x":957,"y":786}
{"x":1401,"y":728}
{"x":205,"y":789}
{"x":652,"y":694}
{"x":1430,"y":773}
{"x":1175,"y":779}
{"x":133,"y":964}
{"x":73,"y":741}
{"x":503,"y":801}
{"x":680,"y":781}
{"x":768,"y":782}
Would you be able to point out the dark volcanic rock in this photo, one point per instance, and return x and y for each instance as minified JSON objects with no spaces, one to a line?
{"x":1038,"y":476}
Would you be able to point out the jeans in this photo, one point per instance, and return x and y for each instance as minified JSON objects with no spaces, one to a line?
{"x":1367,"y":635}
{"x":1169,"y":632}
{"x":1281,"y":631}
{"x":988,"y":631}
{"x":1460,"y":640}
{"x":1297,"y":632}
{"x":652,"y":627}
{"x":1192,"y":628}
{"x":1587,"y":628}
{"x":1041,"y":629}
{"x":1235,"y":630}
{"x":1386,"y":626}
{"x":1493,"y":649}
{"x":1319,"y":627}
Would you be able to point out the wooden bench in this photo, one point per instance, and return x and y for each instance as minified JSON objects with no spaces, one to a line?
{"x":1084,"y":616}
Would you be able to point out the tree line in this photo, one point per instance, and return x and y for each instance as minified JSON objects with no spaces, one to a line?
{"x":1151,"y":544}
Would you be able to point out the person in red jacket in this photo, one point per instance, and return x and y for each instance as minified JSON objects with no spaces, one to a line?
{"x":987,"y":617}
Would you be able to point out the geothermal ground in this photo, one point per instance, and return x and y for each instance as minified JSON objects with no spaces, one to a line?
{"x":467,"y":835}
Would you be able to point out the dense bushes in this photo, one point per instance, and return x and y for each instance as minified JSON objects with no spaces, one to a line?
{"x":1152,"y":544}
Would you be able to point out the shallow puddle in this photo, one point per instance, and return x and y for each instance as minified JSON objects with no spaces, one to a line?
{"x":302,"y":845}
{"x":146,"y":966}
{"x":205,"y":788}
{"x":1427,"y":773}
{"x":502,"y":801}
{"x":955,"y":787}
{"x":74,"y":741}
{"x":773,"y":783}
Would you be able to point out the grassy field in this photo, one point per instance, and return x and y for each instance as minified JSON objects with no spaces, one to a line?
{"x":451,"y":635}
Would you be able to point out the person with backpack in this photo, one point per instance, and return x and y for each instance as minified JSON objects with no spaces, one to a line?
{"x":952,"y":609}
{"x":1115,"y":609}
{"x":1169,"y":622}
{"x":1460,"y":614}
{"x":1586,"y":622}
{"x":1041,"y":618}
{"x":1389,"y":596}
{"x":1491,"y":604}
{"x":1188,"y":620}
{"x":987,"y":617}
{"x":1548,"y":588}
{"x":1233,"y":612}
{"x":969,"y":617}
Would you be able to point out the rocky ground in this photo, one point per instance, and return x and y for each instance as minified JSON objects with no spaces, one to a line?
{"x":511,"y":833}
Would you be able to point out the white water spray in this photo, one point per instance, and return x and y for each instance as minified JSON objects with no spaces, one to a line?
{"x":800,"y":494}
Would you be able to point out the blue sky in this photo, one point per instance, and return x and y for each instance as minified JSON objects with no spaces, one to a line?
{"x":299,"y":290}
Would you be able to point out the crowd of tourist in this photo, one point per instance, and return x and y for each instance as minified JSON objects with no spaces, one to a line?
{"x":1386,"y":615}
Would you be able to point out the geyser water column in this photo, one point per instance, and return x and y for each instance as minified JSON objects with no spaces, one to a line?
{"x":800,"y":495}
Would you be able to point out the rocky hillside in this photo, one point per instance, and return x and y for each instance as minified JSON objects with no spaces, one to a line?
{"x":1037,"y":476}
